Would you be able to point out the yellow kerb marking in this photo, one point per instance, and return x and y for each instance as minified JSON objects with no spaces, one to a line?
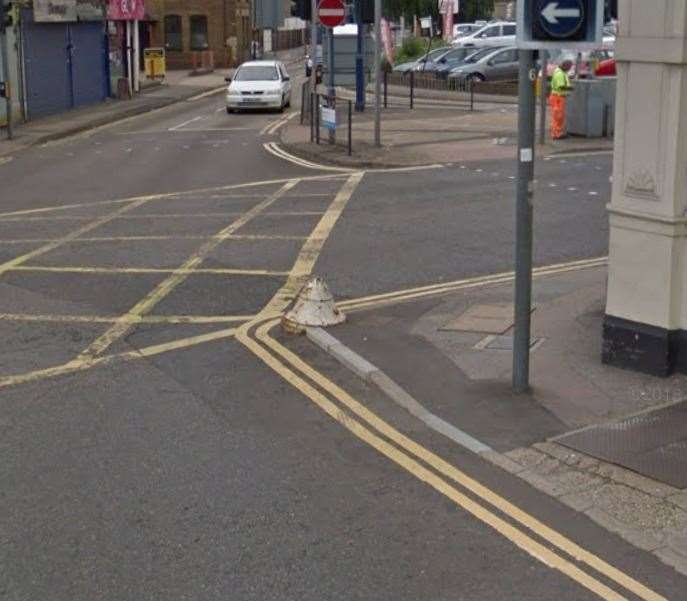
{"x":517,"y":537}
{"x":146,"y":304}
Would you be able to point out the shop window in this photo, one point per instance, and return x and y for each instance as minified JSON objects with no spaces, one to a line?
{"x":173,"y":39}
{"x":199,"y":32}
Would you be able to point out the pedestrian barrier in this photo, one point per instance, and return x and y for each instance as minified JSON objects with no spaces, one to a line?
{"x":331,"y":111}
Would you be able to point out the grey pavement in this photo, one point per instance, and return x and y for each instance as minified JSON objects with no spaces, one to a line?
{"x":176,"y":458}
{"x":441,"y":128}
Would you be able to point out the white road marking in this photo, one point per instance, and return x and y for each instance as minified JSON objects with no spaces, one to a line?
{"x":276,"y":150}
{"x":185,"y":123}
{"x":592,"y":193}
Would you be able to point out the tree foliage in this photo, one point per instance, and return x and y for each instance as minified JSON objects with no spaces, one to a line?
{"x":470,"y":10}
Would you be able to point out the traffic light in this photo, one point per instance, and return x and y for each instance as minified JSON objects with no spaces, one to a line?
{"x":560,"y":23}
{"x":302,"y":9}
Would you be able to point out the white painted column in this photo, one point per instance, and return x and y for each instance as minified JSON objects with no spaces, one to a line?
{"x":646,"y":312}
{"x":137,"y":58}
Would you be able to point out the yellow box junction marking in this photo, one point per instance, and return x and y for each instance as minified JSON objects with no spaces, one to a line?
{"x":146,"y":304}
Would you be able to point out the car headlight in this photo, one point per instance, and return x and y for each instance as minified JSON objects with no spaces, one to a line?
{"x":231,"y":92}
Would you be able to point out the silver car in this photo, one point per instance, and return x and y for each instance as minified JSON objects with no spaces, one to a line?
{"x":496,"y":65}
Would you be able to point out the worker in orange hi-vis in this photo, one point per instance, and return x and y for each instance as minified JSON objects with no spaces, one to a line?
{"x":560,"y":88}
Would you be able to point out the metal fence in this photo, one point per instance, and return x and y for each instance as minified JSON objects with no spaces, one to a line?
{"x":467,"y":89}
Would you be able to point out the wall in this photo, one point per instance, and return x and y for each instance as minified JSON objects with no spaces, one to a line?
{"x":225,"y":38}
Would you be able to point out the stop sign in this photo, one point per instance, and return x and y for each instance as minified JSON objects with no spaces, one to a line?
{"x":331,"y":12}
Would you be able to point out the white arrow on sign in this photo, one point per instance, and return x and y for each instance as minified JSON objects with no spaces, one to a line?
{"x":552,"y":13}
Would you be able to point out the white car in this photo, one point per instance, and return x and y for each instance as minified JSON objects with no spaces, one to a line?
{"x":259,"y":84}
{"x":499,"y":33}
{"x":460,"y":30}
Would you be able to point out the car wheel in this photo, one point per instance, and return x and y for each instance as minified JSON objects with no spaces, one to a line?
{"x":229,"y":111}
{"x":288,"y":103}
{"x":281,"y":107}
{"x":475,"y":77}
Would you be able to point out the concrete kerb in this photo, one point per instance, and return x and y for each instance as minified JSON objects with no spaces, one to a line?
{"x":373,"y":375}
{"x":572,"y":477}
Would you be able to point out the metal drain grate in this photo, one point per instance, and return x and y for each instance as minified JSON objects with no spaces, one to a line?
{"x":653,"y":444}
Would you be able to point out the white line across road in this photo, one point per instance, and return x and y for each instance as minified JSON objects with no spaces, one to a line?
{"x":185,"y":123}
{"x":274,"y":149}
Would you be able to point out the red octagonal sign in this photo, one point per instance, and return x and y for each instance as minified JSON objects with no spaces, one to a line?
{"x":331,"y":12}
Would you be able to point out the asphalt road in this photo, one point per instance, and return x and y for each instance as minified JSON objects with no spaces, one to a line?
{"x":157,"y":444}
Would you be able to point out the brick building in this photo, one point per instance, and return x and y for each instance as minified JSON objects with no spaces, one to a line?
{"x":187,"y":28}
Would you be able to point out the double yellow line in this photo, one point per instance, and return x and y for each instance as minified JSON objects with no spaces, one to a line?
{"x":519,"y":527}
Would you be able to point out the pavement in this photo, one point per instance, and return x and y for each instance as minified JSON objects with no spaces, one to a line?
{"x":163,"y":439}
{"x":443,"y":347}
{"x":441,"y":128}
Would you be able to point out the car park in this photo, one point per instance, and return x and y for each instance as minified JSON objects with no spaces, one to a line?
{"x":498,"y":33}
{"x":259,"y":85}
{"x":493,"y":65}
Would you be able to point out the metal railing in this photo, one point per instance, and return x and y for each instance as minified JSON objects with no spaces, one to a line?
{"x":467,"y":87}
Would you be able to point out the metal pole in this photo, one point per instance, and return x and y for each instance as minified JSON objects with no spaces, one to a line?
{"x":312,"y":116}
{"x":136,"y":60}
{"x":471,"y":83}
{"x":8,"y":87}
{"x":350,"y":128}
{"x":543,"y":94}
{"x":386,"y":87}
{"x":317,"y":118}
{"x":378,"y":72}
{"x":412,"y":88}
{"x":359,"y":66}
{"x":313,"y":45}
{"x":331,"y":91}
{"x":128,"y":59}
{"x":523,"y":223}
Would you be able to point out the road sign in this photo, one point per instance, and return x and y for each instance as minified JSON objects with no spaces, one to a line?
{"x":560,"y":24}
{"x":332,"y":13}
{"x":561,"y":18}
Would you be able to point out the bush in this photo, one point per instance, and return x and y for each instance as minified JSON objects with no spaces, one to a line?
{"x":413,"y":48}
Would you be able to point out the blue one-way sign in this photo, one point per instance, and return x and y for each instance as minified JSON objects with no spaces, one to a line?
{"x":560,"y":23}
{"x":561,"y":18}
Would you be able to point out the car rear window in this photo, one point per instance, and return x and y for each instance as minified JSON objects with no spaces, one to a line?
{"x":257,"y":73}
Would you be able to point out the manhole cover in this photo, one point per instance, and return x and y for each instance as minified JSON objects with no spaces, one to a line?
{"x":653,"y":444}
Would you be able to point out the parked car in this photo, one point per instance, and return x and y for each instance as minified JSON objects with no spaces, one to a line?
{"x":259,"y":84}
{"x":460,"y":30}
{"x":461,"y":56}
{"x":493,"y":65}
{"x":585,"y":60}
{"x":499,"y":33}
{"x":606,"y":68}
{"x":446,"y":61}
{"x":416,"y":64}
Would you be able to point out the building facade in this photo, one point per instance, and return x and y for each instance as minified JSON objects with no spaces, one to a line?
{"x":190,"y":30}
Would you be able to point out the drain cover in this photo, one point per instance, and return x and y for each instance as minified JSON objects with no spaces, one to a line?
{"x":653,"y":444}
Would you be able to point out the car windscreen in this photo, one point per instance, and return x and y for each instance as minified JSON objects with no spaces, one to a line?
{"x":479,"y":55}
{"x":435,"y":54}
{"x":257,"y":73}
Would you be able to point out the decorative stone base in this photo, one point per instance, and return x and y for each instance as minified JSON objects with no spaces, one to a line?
{"x":644,"y":348}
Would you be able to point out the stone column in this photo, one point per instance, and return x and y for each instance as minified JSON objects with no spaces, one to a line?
{"x":645,"y":327}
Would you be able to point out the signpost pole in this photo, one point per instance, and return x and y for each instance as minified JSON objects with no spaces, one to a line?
{"x":331,"y":92}
{"x":523,"y":223}
{"x":543,"y":94}
{"x":313,"y":56}
{"x":359,"y":67}
{"x":378,"y":73}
